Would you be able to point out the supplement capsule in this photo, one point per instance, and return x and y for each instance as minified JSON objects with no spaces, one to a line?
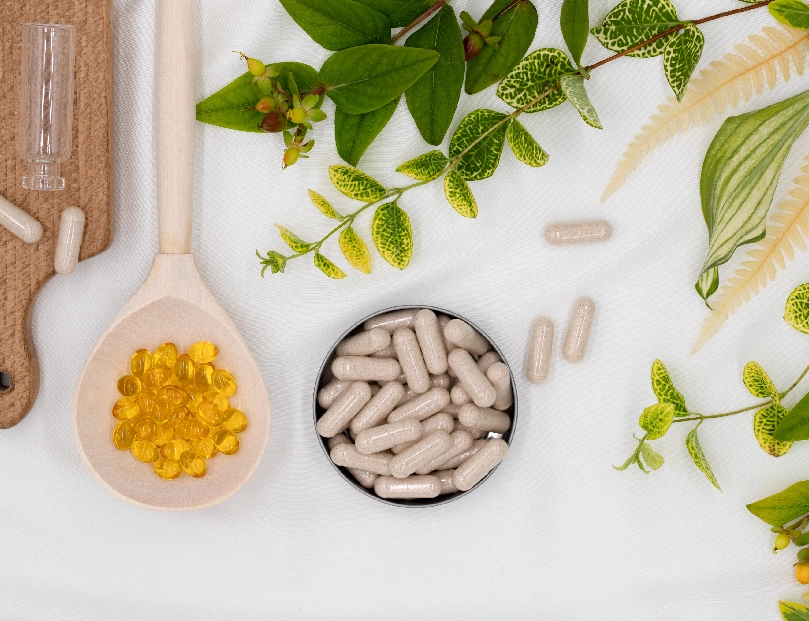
{"x":440,"y":381}
{"x":487,"y":360}
{"x":445,"y":476}
{"x":443,"y":320}
{"x":195,"y":398}
{"x":167,"y":468}
{"x":196,"y":429}
{"x":452,"y":409}
{"x":388,"y":352}
{"x":500,"y":377}
{"x":140,"y":363}
{"x":484,"y":418}
{"x":235,"y":420}
{"x":210,"y":413}
{"x":68,"y":243}
{"x":203,"y":447}
{"x":578,"y":331}
{"x":578,"y":232}
{"x":193,"y":464}
{"x":463,"y":335}
{"x":223,"y":382}
{"x":203,"y":377}
{"x":364,"y":343}
{"x":129,"y":385}
{"x":411,"y":360}
{"x":174,"y":448}
{"x":431,"y":341}
{"x":437,"y":422}
{"x":184,"y":370}
{"x":175,"y":394}
{"x":366,"y":369}
{"x":338,"y":417}
{"x":476,"y":384}
{"x":416,"y":486}
{"x":460,"y":442}
{"x":226,"y":442}
{"x":165,"y":355}
{"x":156,"y":377}
{"x":422,"y":452}
{"x":347,"y":455}
{"x":381,"y":438}
{"x":162,"y":435}
{"x":203,"y":351}
{"x":475,"y":433}
{"x":340,"y":438}
{"x":459,"y":396}
{"x":144,"y":450}
{"x":146,"y":429}
{"x":421,"y":407}
{"x":366,"y":479}
{"x":472,"y":471}
{"x":392,"y":321}
{"x":126,"y":407}
{"x":123,"y":435}
{"x":19,"y":223}
{"x":377,"y":409}
{"x":327,"y":395}
{"x":457,"y":461}
{"x":539,"y":350}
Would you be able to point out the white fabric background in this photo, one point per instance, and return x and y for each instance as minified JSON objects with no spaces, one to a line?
{"x":556,"y":533}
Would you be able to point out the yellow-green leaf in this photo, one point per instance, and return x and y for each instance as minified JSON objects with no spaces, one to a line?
{"x":695,"y":450}
{"x":537,"y":74}
{"x":764,"y":423}
{"x":355,"y":250}
{"x":392,"y":235}
{"x":656,"y":420}
{"x":524,"y":147}
{"x":573,"y":87}
{"x":759,"y":383}
{"x":665,"y":391}
{"x":356,"y":184}
{"x":328,"y":268}
{"x":652,"y":458}
{"x":292,"y":240}
{"x":459,"y":195}
{"x":796,"y":312}
{"x":324,"y":206}
{"x":480,"y":137}
{"x":425,"y":167}
{"x":793,"y":611}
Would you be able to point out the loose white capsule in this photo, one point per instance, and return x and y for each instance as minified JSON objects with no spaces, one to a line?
{"x":68,"y":244}
{"x":460,"y":442}
{"x":441,"y":421}
{"x":364,"y":343}
{"x":500,"y":377}
{"x":459,"y":396}
{"x":340,"y":438}
{"x":475,"y":433}
{"x":484,"y":418}
{"x":488,"y":359}
{"x":411,"y":360}
{"x":476,"y":384}
{"x":338,"y":417}
{"x":431,"y":341}
{"x":19,"y":223}
{"x":578,"y":232}
{"x":347,"y":455}
{"x":383,"y":437}
{"x":447,"y":486}
{"x":388,"y":352}
{"x":327,"y":395}
{"x":393,"y":321}
{"x":539,"y":350}
{"x":457,"y":461}
{"x":578,"y":331}
{"x":470,"y":473}
{"x":364,"y":478}
{"x":463,"y":335}
{"x":412,"y":487}
{"x":425,"y":450}
{"x":377,"y":409}
{"x":366,"y":369}
{"x":423,"y":406}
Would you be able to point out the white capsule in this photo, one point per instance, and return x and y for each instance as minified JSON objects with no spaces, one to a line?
{"x":68,"y":244}
{"x":460,"y":442}
{"x":470,"y":473}
{"x":578,"y":331}
{"x":364,"y":343}
{"x":411,"y":360}
{"x":383,"y":437}
{"x":393,"y":321}
{"x":539,"y":350}
{"x":443,"y":320}
{"x":412,"y":487}
{"x":463,"y":335}
{"x":347,"y":455}
{"x":377,"y":409}
{"x":578,"y":232}
{"x":459,"y":396}
{"x":458,"y":460}
{"x":338,"y":417}
{"x":475,"y":433}
{"x":441,"y":421}
{"x":445,"y":476}
{"x":484,"y":418}
{"x":452,"y":409}
{"x":327,"y":395}
{"x":365,"y":369}
{"x":425,"y":450}
{"x":440,"y":381}
{"x":388,"y":352}
{"x":19,"y":223}
{"x":431,"y":341}
{"x":476,"y":384}
{"x":340,"y":438}
{"x":488,"y":359}
{"x":423,"y":406}
{"x":364,"y":478}
{"x":500,"y":377}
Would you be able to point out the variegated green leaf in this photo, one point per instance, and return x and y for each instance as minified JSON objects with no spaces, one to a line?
{"x":764,"y":423}
{"x":796,"y":312}
{"x":759,"y":383}
{"x":328,"y":268}
{"x":392,"y":235}
{"x":665,"y":391}
{"x":481,"y":160}
{"x":681,"y":56}
{"x":459,"y":195}
{"x":324,"y":206}
{"x":535,"y":75}
{"x":425,"y":167}
{"x":573,"y":87}
{"x":652,"y":458}
{"x":793,"y":611}
{"x":697,"y":454}
{"x":292,"y":240}
{"x":354,"y":250}
{"x":633,"y":22}
{"x":656,"y":420}
{"x":356,"y":184}
{"x":707,"y":284}
{"x":524,"y":147}
{"x":793,"y":13}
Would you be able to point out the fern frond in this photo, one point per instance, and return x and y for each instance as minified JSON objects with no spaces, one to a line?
{"x":787,"y":229}
{"x":728,"y":81}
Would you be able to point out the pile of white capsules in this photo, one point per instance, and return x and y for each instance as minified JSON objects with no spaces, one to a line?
{"x":416,"y":392}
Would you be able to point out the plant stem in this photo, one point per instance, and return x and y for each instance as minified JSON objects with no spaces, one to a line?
{"x":511,"y":5}
{"x":437,"y":6}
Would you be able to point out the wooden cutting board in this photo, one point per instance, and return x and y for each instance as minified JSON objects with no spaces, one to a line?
{"x":24,"y":268}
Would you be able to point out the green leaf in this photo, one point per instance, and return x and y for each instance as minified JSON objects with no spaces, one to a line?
{"x":792,"y":611}
{"x":633,"y":22}
{"x":324,"y":206}
{"x":573,"y":88}
{"x":425,"y":167}
{"x":392,"y":235}
{"x":459,"y":195}
{"x":656,"y":420}
{"x":399,"y":12}
{"x":482,"y":159}
{"x":354,"y":250}
{"x":665,"y":391}
{"x":795,"y":425}
{"x":764,"y":423}
{"x":634,"y":458}
{"x":758,"y":383}
{"x":328,"y":268}
{"x":740,"y":173}
{"x":796,"y":311}
{"x":784,"y":506}
{"x":516,"y":29}
{"x":802,"y":540}
{"x":354,"y":133}
{"x":432,"y":100}
{"x":356,"y":184}
{"x":681,"y":56}
{"x":339,"y":25}
{"x":790,"y":12}
{"x":524,"y":147}
{"x":652,"y":458}
{"x":575,"y":24}
{"x":707,"y":283}
{"x":536,"y":75}
{"x":292,"y":240}
{"x":697,"y":454}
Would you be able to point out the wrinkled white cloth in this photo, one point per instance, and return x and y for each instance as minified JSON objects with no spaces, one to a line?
{"x":556,"y":533}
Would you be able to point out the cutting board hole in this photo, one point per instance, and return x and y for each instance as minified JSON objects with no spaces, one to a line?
{"x":5,"y":381}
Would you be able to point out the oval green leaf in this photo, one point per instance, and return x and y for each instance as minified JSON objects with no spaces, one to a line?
{"x":793,"y":13}
{"x":339,"y":25}
{"x":795,"y":425}
{"x":481,"y":160}
{"x":792,"y":611}
{"x":575,"y":24}
{"x":764,"y":423}
{"x":399,"y":12}
{"x":652,"y":458}
{"x":796,"y":311}
{"x":681,"y":56}
{"x":524,"y":147}
{"x":392,"y":235}
{"x":324,"y":206}
{"x":425,"y":167}
{"x":328,"y":268}
{"x":537,"y":75}
{"x":633,"y":22}
{"x":656,"y":420}
{"x":356,"y":184}
{"x":355,"y":251}
{"x":292,"y":240}
{"x":697,"y":454}
{"x":784,"y":506}
{"x":665,"y":391}
{"x":758,"y":383}
{"x":573,"y":88}
{"x":354,"y":133}
{"x":459,"y":195}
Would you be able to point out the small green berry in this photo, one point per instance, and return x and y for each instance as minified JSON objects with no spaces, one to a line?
{"x":803,"y":554}
{"x":297,"y":115}
{"x":291,"y":156}
{"x":781,"y":541}
{"x":254,"y":66}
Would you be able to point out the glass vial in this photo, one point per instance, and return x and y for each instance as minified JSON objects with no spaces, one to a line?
{"x":46,"y":102}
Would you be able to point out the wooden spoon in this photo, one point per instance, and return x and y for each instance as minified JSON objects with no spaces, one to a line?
{"x":172,"y":305}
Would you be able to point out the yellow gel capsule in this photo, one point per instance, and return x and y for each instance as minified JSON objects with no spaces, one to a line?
{"x":204,"y":447}
{"x":162,"y":435}
{"x":165,"y":355}
{"x":167,"y":468}
{"x":175,"y":394}
{"x":141,"y":362}
{"x":203,"y":352}
{"x":218,"y":398}
{"x":147,"y":401}
{"x":224,"y":382}
{"x":235,"y":421}
{"x":177,"y":415}
{"x":194,"y":399}
{"x":123,"y":435}
{"x":193,"y":464}
{"x":226,"y":442}
{"x":129,"y":385}
{"x":203,"y":376}
{"x":126,"y":407}
{"x":211,"y":413}
{"x":184,"y":370}
{"x":144,"y":450}
{"x":146,"y":429}
{"x":138,"y":417}
{"x":162,"y":410}
{"x":175,"y":448}
{"x":195,"y":429}
{"x":156,"y":377}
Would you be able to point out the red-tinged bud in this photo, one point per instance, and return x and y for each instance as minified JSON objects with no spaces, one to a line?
{"x":273,"y":122}
{"x":266,"y":104}
{"x":472,"y":45}
{"x":291,"y":156}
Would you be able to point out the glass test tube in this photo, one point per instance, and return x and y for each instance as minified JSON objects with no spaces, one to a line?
{"x":46,"y":102}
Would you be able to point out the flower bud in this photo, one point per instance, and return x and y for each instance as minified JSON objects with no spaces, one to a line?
{"x":273,"y":122}
{"x":266,"y":104}
{"x":255,"y":66}
{"x":297,"y":115}
{"x":472,"y":45}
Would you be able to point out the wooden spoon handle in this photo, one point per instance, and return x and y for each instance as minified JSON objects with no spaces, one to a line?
{"x":175,"y":124}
